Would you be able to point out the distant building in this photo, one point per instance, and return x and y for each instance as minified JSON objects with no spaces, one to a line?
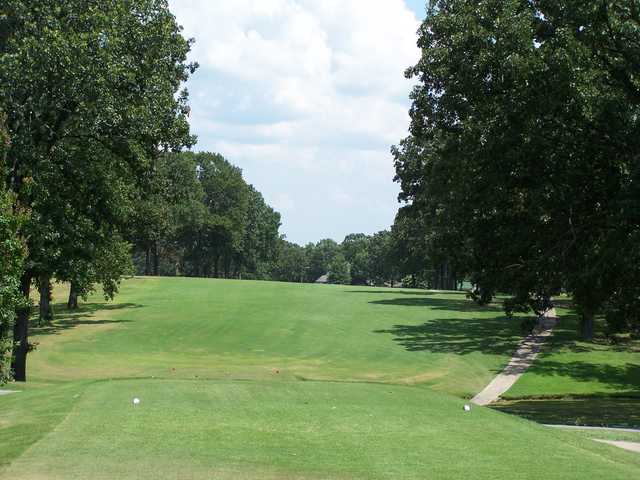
{"x":323,"y":278}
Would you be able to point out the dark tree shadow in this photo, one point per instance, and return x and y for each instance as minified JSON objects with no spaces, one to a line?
{"x":66,"y":319}
{"x":623,"y":378}
{"x":462,"y":305}
{"x":388,"y":291}
{"x":594,"y":411}
{"x":459,"y":336}
{"x":566,"y":337}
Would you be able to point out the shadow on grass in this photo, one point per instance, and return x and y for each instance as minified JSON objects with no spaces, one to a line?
{"x":462,"y":305}
{"x":597,"y":411}
{"x":624,"y":377}
{"x":460,"y":336}
{"x":566,"y":337}
{"x":389,"y":291}
{"x":66,"y":319}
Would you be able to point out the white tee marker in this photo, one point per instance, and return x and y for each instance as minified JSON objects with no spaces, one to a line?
{"x":467,"y":408}
{"x":136,"y":401}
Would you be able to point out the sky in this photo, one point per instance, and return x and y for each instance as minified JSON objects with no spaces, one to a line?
{"x":307,"y":97}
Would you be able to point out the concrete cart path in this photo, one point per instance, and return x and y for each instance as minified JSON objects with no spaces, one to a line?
{"x":521,"y":360}
{"x":587,"y":427}
{"x":631,"y":446}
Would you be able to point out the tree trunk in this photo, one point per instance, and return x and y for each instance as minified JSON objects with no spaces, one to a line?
{"x":156,"y":260}
{"x":21,"y":334}
{"x":147,"y":262}
{"x":216,"y":266}
{"x":46,"y":311}
{"x":586,"y":325}
{"x":72,"y":303}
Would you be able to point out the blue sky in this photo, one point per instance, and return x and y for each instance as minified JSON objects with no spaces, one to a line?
{"x":418,"y":6}
{"x":307,"y":97}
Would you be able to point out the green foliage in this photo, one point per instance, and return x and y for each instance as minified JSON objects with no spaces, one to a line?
{"x":290,"y":263}
{"x":92,"y":94}
{"x":12,"y":252}
{"x":382,"y":258}
{"x":320,"y":257}
{"x":198,"y":217}
{"x":339,"y":270}
{"x":521,"y":167}
{"x":355,"y":248}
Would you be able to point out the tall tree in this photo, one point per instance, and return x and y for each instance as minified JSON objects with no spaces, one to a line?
{"x":320,"y":257}
{"x":355,"y":248}
{"x":383,"y":266}
{"x":524,"y":145}
{"x":260,"y":239}
{"x":339,"y":270}
{"x":91,"y":92}
{"x":12,"y":253}
{"x":290,"y":263}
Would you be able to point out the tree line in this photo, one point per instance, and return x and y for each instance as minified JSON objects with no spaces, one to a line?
{"x":96,"y":180}
{"x":200,"y":218}
{"x":90,"y":101}
{"x":522,"y":165}
{"x":360,"y":259}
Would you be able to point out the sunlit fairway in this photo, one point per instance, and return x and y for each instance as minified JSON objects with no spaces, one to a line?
{"x":224,"y":329}
{"x":272,"y":380}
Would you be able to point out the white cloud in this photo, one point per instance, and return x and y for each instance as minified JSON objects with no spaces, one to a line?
{"x":302,"y":94}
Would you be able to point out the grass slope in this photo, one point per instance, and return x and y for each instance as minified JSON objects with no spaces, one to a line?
{"x":215,"y":329}
{"x":228,"y":398}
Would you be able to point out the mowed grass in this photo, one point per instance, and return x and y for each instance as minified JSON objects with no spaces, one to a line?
{"x":225,"y":329}
{"x":230,"y":429}
{"x":568,"y":366}
{"x":578,"y":383}
{"x":262,"y":380}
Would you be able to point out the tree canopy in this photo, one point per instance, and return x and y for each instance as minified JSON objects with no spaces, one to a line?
{"x":522,"y":159}
{"x":91,"y":91}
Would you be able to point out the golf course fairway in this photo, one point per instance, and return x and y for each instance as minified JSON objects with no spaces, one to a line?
{"x":265,"y":380}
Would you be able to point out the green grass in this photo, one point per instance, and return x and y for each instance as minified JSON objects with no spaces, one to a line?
{"x":216,"y":329}
{"x":568,"y":366}
{"x":231,"y":429}
{"x":279,"y":381}
{"x":580,"y":383}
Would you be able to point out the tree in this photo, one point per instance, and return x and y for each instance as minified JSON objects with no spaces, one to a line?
{"x":382,"y":262}
{"x":523,"y":147}
{"x":290,"y":263}
{"x":355,"y":248}
{"x":261,"y":236}
{"x":320,"y":257}
{"x":93,"y":94}
{"x":410,"y":239}
{"x":104,"y":267}
{"x":214,"y":232}
{"x":12,"y":253}
{"x":171,"y":191}
{"x":339,"y":270}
